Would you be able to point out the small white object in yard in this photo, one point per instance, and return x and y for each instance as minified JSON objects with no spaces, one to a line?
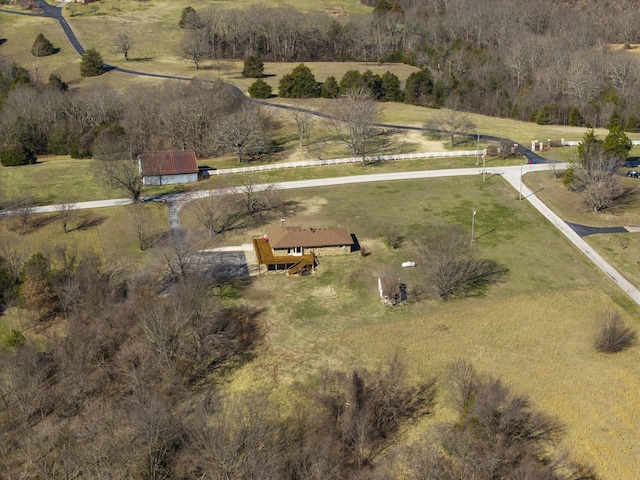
{"x":408,"y":264}
{"x":380,"y":288}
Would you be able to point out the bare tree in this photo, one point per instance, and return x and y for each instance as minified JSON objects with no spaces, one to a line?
{"x":22,"y":210}
{"x":180,"y":255}
{"x":118,"y":166}
{"x":353,"y":119}
{"x":451,"y":121}
{"x":123,"y":43}
{"x":243,"y":132}
{"x":138,"y":219}
{"x":596,"y":177}
{"x":304,"y":122}
{"x":257,"y":198}
{"x":219,"y":213}
{"x":368,"y":409}
{"x":66,"y":211}
{"x":445,"y":260}
{"x":194,"y":47}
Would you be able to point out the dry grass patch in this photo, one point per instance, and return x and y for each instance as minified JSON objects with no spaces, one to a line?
{"x":542,"y":347}
{"x":103,"y":231}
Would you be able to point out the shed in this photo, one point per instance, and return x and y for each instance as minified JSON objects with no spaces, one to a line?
{"x":167,"y":168}
{"x":295,"y":240}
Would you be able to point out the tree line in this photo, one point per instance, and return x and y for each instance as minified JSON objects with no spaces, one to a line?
{"x":542,"y":61}
{"x":38,"y":118}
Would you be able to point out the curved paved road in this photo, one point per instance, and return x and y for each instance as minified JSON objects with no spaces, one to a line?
{"x":511,"y":174}
{"x":56,"y":13}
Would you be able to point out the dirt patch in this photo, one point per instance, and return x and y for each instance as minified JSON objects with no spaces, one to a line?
{"x":313,"y":205}
{"x":423,"y":144}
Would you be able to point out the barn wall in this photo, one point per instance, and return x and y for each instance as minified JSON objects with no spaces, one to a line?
{"x":170,"y":179}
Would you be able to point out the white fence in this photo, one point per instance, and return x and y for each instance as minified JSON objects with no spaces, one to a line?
{"x":338,"y":161}
{"x":574,"y":143}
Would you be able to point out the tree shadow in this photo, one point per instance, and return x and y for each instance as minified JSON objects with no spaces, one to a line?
{"x":141,"y":59}
{"x":628,"y":198}
{"x":89,"y":221}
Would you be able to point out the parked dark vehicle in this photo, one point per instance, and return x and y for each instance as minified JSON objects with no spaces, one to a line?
{"x":632,"y":163}
{"x":633,"y":173}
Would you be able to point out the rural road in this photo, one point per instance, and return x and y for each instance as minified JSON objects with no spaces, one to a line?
{"x":510,"y":174}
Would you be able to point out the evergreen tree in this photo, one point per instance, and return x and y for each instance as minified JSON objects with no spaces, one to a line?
{"x":373,"y":83}
{"x":351,"y":80}
{"x":15,"y":153}
{"x":632,"y":124}
{"x":617,"y":143}
{"x":42,"y":47}
{"x":300,"y":83}
{"x":391,"y":88}
{"x":91,"y":64}
{"x":615,"y":120}
{"x":419,"y":88}
{"x":544,"y":115}
{"x":590,"y":146}
{"x":187,"y":17}
{"x":330,"y":88}
{"x":253,"y":67}
{"x":575,"y":117}
{"x":260,"y":89}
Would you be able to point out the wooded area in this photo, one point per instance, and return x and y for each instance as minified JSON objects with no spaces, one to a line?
{"x":545,"y":61}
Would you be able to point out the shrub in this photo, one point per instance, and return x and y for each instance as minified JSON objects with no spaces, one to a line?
{"x":260,"y":89}
{"x":14,"y":339}
{"x":56,"y":82}
{"x":613,"y":335}
{"x":15,"y":154}
{"x":300,"y":83}
{"x":42,"y":47}
{"x":92,"y":64}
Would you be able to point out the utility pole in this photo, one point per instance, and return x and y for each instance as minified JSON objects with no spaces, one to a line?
{"x":478,"y":151}
{"x":484,"y":164}
{"x":473,"y":225}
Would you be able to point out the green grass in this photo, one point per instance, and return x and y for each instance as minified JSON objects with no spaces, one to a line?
{"x":621,"y":250}
{"x":534,"y":329}
{"x":53,"y":179}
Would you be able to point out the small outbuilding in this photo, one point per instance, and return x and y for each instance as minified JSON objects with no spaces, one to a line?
{"x":298,"y":240}
{"x":168,"y":168}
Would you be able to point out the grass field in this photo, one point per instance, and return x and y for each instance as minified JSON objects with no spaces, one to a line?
{"x":622,"y":250}
{"x":534,"y":330}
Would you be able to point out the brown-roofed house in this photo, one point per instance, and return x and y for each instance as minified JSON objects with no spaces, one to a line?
{"x":295,"y":240}
{"x":165,"y":168}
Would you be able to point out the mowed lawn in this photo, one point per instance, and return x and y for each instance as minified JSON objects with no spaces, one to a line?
{"x":534,"y":330}
{"x":622,"y":250}
{"x":53,"y":179}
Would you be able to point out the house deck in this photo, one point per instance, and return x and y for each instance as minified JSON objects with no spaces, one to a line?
{"x":291,"y":264}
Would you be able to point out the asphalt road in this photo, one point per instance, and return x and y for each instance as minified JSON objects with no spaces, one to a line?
{"x":511,"y":174}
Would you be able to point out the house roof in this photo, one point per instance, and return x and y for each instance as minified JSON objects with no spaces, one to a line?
{"x":168,"y":163}
{"x":290,"y":237}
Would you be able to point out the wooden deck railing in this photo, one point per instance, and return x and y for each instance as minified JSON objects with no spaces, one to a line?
{"x":292,"y":263}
